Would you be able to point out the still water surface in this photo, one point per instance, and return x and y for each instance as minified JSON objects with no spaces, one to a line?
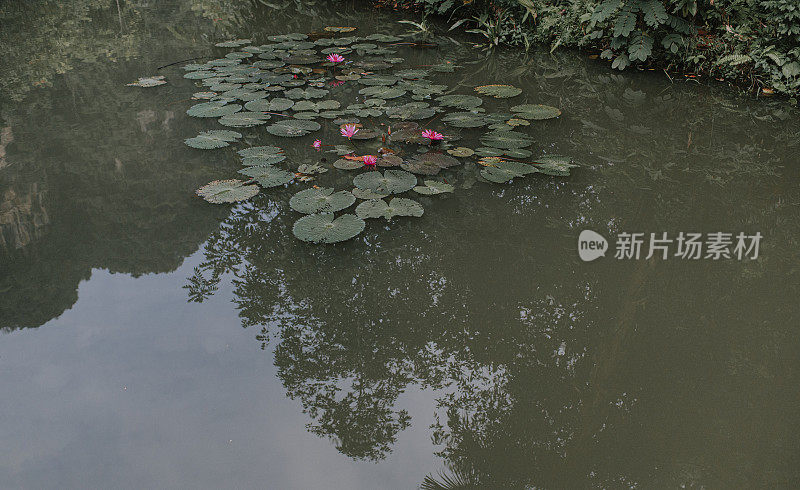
{"x":472,"y":338}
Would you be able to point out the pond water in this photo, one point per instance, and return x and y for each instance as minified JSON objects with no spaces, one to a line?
{"x":472,"y":340}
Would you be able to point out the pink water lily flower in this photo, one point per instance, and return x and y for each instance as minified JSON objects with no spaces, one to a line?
{"x":370,"y":160}
{"x":317,"y":144}
{"x":432,"y":135}
{"x":348,"y":130}
{"x":335,"y":58}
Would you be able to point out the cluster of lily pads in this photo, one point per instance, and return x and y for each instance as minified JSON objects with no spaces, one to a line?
{"x":294,"y":80}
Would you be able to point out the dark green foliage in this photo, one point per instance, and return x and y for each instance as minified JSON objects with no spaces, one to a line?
{"x":753,"y":42}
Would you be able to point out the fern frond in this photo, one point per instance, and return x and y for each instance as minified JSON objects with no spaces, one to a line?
{"x":734,"y":59}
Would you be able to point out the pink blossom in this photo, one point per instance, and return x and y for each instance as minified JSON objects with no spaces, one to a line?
{"x":335,"y":83}
{"x":335,"y":58}
{"x":348,"y":130}
{"x":317,"y":144}
{"x":370,"y":160}
{"x":432,"y":135}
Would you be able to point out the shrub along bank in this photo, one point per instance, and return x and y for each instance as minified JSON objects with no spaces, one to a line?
{"x":754,"y":43}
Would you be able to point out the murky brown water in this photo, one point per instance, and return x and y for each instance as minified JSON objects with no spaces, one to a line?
{"x":473,"y":339}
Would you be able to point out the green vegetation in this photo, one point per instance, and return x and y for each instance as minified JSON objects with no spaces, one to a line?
{"x":754,"y":43}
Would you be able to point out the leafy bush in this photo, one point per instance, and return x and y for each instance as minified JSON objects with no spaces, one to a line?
{"x":754,"y":42}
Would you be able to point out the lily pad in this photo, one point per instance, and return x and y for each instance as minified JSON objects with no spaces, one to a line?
{"x":421,"y":167}
{"x":227,"y":191}
{"x":292,"y":127}
{"x":506,"y":139}
{"x":261,"y":151}
{"x":536,"y":111}
{"x":382,"y":92}
{"x":397,"y":206}
{"x":259,"y":161}
{"x":411,"y":111}
{"x":517,"y":153}
{"x":322,"y":228}
{"x":515,"y":121}
{"x":366,"y":134}
{"x":389,"y":160}
{"x":268,"y":176}
{"x":556,"y":165}
{"x":244,"y":119}
{"x":461,"y":152}
{"x":213,"y":109}
{"x":438,"y":159}
{"x":302,"y":59}
{"x":489,"y":152}
{"x":345,"y":164}
{"x":460,"y":101}
{"x":308,"y":93}
{"x":340,"y":29}
{"x":216,"y":138}
{"x":504,"y":171}
{"x":277,"y":104}
{"x":309,"y":169}
{"x":499,"y":91}
{"x":149,"y":81}
{"x":432,"y":187}
{"x":321,"y":200}
{"x":391,"y":181}
{"x":465,"y":120}
{"x":200,"y":74}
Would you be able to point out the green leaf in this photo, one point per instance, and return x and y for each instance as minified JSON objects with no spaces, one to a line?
{"x":465,"y":120}
{"x":213,"y":109}
{"x":461,"y":152}
{"x":439,"y":159}
{"x":309,"y":93}
{"x":368,"y":194}
{"x":536,"y":112}
{"x":268,"y":176}
{"x":322,"y":228}
{"x":398,"y":206}
{"x":506,"y":139}
{"x":216,"y":138}
{"x":291,"y":128}
{"x":345,"y":164}
{"x":499,"y":91}
{"x":654,"y":12}
{"x":625,"y":22}
{"x":605,"y":9}
{"x":620,"y":62}
{"x":321,"y":200}
{"x":432,"y":187}
{"x":556,"y":165}
{"x":260,"y":151}
{"x":147,"y":82}
{"x":382,"y":92}
{"x":505,"y":171}
{"x":391,"y":181}
{"x":277,"y":104}
{"x":226,"y":191}
{"x":244,"y":119}
{"x":640,"y":48}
